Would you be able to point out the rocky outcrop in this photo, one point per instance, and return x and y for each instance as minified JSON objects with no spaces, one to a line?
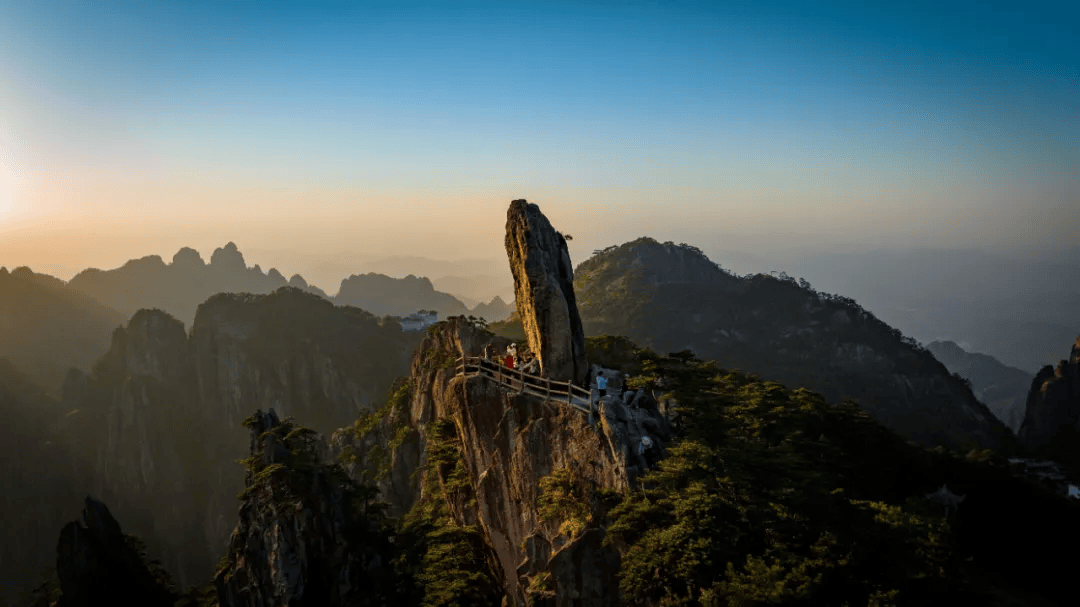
{"x":301,"y":539}
{"x":509,"y":442}
{"x":159,"y":419}
{"x":99,"y":565}
{"x":544,"y":292}
{"x":664,"y":296}
{"x":1052,"y":421}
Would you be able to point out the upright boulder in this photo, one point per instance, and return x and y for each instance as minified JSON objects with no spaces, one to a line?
{"x":544,"y":292}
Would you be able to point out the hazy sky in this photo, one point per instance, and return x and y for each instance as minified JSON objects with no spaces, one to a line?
{"x":376,"y":128}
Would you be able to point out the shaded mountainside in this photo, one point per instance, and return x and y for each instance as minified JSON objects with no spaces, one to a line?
{"x":38,"y":479}
{"x":180,"y":286}
{"x":1002,"y":388}
{"x":761,"y":494}
{"x":672,"y":298}
{"x":158,"y":419}
{"x":1052,"y":419}
{"x":46,"y":327}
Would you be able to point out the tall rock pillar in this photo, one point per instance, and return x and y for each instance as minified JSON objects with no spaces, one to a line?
{"x":544,"y":290}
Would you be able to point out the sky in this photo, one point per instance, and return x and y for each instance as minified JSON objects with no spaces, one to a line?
{"x":353,"y":131}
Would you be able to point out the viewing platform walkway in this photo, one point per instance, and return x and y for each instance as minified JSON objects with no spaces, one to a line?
{"x":527,"y":383}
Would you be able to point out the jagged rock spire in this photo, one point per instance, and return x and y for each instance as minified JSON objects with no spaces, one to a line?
{"x":544,"y":292}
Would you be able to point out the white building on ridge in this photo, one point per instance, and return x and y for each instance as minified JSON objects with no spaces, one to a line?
{"x":420,"y":320}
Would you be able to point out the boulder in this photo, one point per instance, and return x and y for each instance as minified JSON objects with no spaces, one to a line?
{"x":544,"y":292}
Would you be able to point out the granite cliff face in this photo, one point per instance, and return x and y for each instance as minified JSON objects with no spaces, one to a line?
{"x":544,"y":292}
{"x":672,"y":298}
{"x":509,"y":442}
{"x":1052,"y":420}
{"x":306,"y":536}
{"x":1003,"y":389}
{"x":159,"y":417}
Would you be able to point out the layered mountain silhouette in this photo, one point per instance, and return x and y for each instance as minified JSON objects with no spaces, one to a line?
{"x":509,"y":494}
{"x":180,"y":286}
{"x":1014,"y":309}
{"x":386,"y":296}
{"x":47,"y":327}
{"x":155,"y":427}
{"x":673,"y":298}
{"x":1002,"y":388}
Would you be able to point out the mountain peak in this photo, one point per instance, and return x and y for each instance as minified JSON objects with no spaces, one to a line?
{"x":228,"y":257}
{"x":188,"y":257}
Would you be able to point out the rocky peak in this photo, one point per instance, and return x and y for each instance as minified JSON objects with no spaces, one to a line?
{"x":544,"y":292}
{"x":515,"y":449}
{"x":659,"y":263}
{"x":228,"y":258}
{"x":188,"y":258}
{"x":1052,"y":420}
{"x":156,"y":346}
{"x":305,"y":536}
{"x":98,"y":565}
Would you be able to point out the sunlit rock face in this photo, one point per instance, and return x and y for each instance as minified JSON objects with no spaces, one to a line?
{"x":1052,"y":421}
{"x":509,"y":441}
{"x":544,"y":292}
{"x":299,"y":540}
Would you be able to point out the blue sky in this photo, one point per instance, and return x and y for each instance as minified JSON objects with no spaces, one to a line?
{"x":331,"y":122}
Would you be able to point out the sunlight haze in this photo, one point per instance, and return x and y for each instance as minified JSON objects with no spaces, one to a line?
{"x":349,"y":132}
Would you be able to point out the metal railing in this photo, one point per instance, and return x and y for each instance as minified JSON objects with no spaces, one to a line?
{"x":556,"y":391}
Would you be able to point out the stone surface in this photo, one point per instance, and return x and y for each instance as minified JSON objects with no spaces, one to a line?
{"x":158,"y":422}
{"x":1052,"y":419}
{"x":96,"y":564}
{"x":544,"y":292}
{"x":509,"y":442}
{"x":296,"y":542}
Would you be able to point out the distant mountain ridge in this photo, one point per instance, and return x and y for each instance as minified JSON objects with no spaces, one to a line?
{"x":385,"y":296}
{"x":1002,"y":388}
{"x":47,"y":327}
{"x":181,"y":286}
{"x":672,"y":298}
